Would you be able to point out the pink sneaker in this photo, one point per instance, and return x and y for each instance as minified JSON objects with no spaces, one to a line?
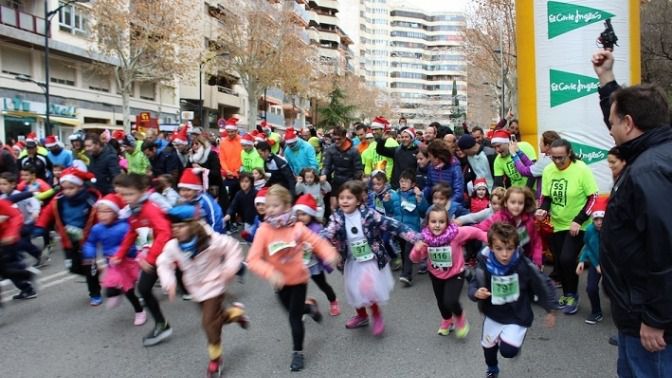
{"x":357,"y":322}
{"x":140,"y":318}
{"x":112,"y":302}
{"x":378,"y":325}
{"x":334,"y":308}
{"x":445,"y":327}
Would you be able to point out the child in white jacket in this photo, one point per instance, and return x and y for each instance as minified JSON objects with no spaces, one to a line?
{"x":209,"y":261}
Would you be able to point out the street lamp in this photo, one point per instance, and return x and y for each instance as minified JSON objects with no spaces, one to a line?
{"x":48,"y":15}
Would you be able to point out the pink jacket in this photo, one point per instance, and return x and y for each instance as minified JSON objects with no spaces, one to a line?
{"x":206,"y":275}
{"x":533,"y":249}
{"x":463,"y":235}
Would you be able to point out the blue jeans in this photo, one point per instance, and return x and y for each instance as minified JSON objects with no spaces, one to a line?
{"x":635,"y":361}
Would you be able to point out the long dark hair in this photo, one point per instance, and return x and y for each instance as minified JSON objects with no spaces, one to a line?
{"x":568,"y":147}
{"x":440,"y":150}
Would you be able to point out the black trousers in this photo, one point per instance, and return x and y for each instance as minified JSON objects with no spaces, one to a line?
{"x":447,"y":293}
{"x":130,"y":295}
{"x":321,"y":282}
{"x":145,"y":285}
{"x":73,"y":261}
{"x":13,"y":268}
{"x":566,"y":249}
{"x":406,"y":263}
{"x":293,"y":298}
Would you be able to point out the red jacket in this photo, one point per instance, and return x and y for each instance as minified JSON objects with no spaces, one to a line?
{"x":11,"y":221}
{"x":51,"y":215}
{"x":478,"y":204}
{"x":150,"y":216}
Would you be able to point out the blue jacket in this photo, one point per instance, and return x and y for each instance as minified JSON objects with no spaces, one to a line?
{"x":389,"y":208}
{"x":449,"y":174}
{"x":74,"y":211}
{"x":210,"y":211}
{"x":108,"y":237}
{"x":249,"y":236}
{"x":591,"y":246}
{"x":303,"y":157}
{"x":412,"y":211}
{"x":64,"y":158}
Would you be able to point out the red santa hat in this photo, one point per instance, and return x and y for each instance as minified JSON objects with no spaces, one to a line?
{"x":500,"y":137}
{"x":194,"y":179}
{"x":31,"y":137}
{"x":113,"y":202}
{"x":76,"y":176}
{"x":380,"y":123}
{"x":231,"y":124}
{"x":180,"y":136}
{"x":247,"y":140}
{"x":291,"y":136}
{"x":410,"y":131}
{"x":118,"y":135}
{"x":265,"y":126}
{"x":480,"y":182}
{"x":600,"y":207}
{"x":261,"y":196}
{"x":51,"y":141}
{"x":307,"y":204}
{"x":369,"y":135}
{"x":260,"y":137}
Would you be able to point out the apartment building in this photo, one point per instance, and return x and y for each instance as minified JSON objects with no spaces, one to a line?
{"x":80,"y":96}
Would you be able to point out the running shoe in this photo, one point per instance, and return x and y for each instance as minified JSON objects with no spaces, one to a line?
{"x":562,"y":303}
{"x":214,"y":368}
{"x":297,"y":361}
{"x":96,"y":300}
{"x":491,"y":374}
{"x":314,"y":310}
{"x":113,"y":302}
{"x":594,"y":318}
{"x":378,"y":325}
{"x":160,"y":332}
{"x":140,"y":318}
{"x":357,"y":322}
{"x":613,"y":340}
{"x":571,"y":305}
{"x":445,"y":327}
{"x":26,"y":294}
{"x":422,"y":268}
{"x":334,"y":308}
{"x":407,"y":282}
{"x":186,"y":297}
{"x":463,"y":331}
{"x":238,"y":313}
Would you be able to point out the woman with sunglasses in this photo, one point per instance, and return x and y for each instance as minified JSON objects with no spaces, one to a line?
{"x":569,"y":192}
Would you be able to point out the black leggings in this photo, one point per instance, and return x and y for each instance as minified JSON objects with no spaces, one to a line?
{"x":447,"y":294}
{"x":293,"y":298}
{"x":566,"y":249}
{"x":507,"y":351}
{"x":13,"y":268}
{"x":73,"y":258}
{"x":145,"y":285}
{"x":130,"y":295}
{"x":321,"y":282}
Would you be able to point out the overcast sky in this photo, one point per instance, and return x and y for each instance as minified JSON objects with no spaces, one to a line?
{"x":438,"y":5}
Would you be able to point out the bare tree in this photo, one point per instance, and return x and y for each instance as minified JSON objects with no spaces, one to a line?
{"x":152,"y":41}
{"x":657,"y":43}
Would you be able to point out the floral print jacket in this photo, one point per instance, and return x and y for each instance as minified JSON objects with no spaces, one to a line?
{"x":374,"y":226}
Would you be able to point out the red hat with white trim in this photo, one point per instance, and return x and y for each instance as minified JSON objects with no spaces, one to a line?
{"x":247,"y":140}
{"x":118,"y":135}
{"x":380,"y":123}
{"x":194,"y":179}
{"x":31,"y":137}
{"x":231,"y":124}
{"x":51,"y":141}
{"x":112,"y":201}
{"x":76,"y":176}
{"x":600,"y":207}
{"x":291,"y":136}
{"x":180,"y":136}
{"x":307,"y":204}
{"x":501,"y":137}
{"x":480,"y":182}
{"x":261,"y":196}
{"x":410,"y":131}
{"x":265,"y":126}
{"x":260,"y":137}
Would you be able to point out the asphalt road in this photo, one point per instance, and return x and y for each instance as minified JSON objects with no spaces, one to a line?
{"x":60,"y":335}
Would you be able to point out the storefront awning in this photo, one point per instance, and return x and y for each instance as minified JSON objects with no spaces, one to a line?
{"x":101,"y":126}
{"x":63,"y":120}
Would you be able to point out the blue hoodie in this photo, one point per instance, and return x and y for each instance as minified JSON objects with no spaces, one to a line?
{"x":210,"y":211}
{"x":412,"y":210}
{"x":108,"y":237}
{"x":303,"y":157}
{"x":391,"y":208}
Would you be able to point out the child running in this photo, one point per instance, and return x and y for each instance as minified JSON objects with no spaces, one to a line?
{"x":503,"y":285}
{"x":308,"y":182}
{"x":260,"y":177}
{"x":277,"y":256}
{"x":591,"y":254}
{"x":357,"y":231}
{"x":413,"y":207}
{"x":30,"y":209}
{"x":132,"y":188}
{"x":108,"y":234}
{"x":306,"y":210}
{"x":443,"y":253}
{"x":208,"y":262}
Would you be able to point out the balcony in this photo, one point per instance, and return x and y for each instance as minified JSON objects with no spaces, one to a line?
{"x":301,"y":14}
{"x":21,"y":20}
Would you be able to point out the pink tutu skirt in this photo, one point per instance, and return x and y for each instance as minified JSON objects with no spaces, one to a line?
{"x":122,"y":276}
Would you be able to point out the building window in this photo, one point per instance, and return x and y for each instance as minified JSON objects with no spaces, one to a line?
{"x":147,"y":91}
{"x":73,"y":19}
{"x":16,"y":62}
{"x":62,"y":72}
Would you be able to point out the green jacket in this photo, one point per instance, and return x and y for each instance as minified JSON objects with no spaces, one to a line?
{"x":250,"y":160}
{"x":137,"y":161}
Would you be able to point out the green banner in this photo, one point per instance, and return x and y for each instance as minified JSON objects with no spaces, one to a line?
{"x":567,"y":86}
{"x":589,"y":154}
{"x":564,"y":17}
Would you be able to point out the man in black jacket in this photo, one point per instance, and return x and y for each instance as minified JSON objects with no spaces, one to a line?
{"x":278,"y":167}
{"x":636,"y":250}
{"x":403,"y":155}
{"x":103,"y":163}
{"x":164,"y":162}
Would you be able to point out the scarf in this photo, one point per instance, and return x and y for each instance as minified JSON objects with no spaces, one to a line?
{"x":189,"y":247}
{"x":201,"y":155}
{"x":285,"y":219}
{"x":440,"y":240}
{"x":498,"y":269}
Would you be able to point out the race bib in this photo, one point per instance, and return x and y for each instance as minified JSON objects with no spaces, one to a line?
{"x":379,"y":206}
{"x":505,"y":289}
{"x":523,"y":236}
{"x":441,"y":257}
{"x":278,"y":246}
{"x":408,"y":206}
{"x":361,"y":251}
{"x":74,"y":233}
{"x":308,"y":259}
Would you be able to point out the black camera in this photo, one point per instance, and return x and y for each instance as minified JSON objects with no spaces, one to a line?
{"x":608,"y":39}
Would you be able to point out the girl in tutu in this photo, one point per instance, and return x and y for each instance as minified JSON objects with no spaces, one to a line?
{"x":357,"y":232}
{"x":108,"y":233}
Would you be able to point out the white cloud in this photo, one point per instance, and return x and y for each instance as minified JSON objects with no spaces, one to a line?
{"x":437,"y":5}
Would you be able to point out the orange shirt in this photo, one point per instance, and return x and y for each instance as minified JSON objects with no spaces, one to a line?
{"x":281,"y":250}
{"x":229,"y":156}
